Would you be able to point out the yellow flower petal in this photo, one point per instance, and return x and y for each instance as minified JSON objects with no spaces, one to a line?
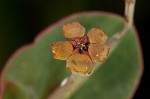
{"x":96,"y":35}
{"x":81,"y":63}
{"x":73,"y":30}
{"x":98,"y":53}
{"x":61,"y":50}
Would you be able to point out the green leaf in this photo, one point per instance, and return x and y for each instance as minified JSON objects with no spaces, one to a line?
{"x":14,"y":92}
{"x":33,"y":69}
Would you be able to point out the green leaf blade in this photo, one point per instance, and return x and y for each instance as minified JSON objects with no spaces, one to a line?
{"x":33,"y":66}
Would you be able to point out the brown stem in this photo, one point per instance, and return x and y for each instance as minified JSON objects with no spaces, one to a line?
{"x":66,"y":90}
{"x":129,"y":13}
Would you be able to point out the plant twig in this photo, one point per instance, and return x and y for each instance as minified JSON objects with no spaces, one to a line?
{"x":66,"y":90}
{"x":75,"y":80}
{"x":129,"y":13}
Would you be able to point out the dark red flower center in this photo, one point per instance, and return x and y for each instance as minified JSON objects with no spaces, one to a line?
{"x":80,"y":46}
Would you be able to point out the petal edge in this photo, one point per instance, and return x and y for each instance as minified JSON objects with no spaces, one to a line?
{"x":73,"y":30}
{"x":61,"y":50}
{"x":98,"y":53}
{"x":96,"y":35}
{"x":81,"y":63}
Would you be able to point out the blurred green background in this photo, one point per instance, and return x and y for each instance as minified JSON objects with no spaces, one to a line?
{"x":22,"y":20}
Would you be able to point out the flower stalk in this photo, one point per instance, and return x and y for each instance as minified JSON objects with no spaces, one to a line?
{"x":129,"y":14}
{"x":73,"y":83}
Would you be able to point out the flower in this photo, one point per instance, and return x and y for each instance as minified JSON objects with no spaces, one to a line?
{"x":81,"y":51}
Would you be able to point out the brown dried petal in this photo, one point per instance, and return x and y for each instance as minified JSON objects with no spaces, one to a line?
{"x":61,"y":50}
{"x":98,"y":53}
{"x":96,"y":35}
{"x":80,"y":63}
{"x":73,"y":30}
